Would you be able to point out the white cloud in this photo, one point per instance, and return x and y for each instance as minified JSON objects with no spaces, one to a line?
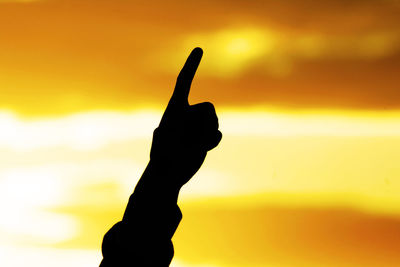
{"x":91,"y":131}
{"x":348,"y":158}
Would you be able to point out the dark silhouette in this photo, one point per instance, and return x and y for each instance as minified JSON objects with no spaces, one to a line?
{"x":180,"y":144}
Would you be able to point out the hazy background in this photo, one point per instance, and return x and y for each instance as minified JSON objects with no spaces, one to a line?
{"x":308,"y":97}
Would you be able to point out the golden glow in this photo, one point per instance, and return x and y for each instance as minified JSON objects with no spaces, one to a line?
{"x":231,"y":51}
{"x":307,"y":173}
{"x":82,"y":132}
{"x":296,"y":154}
{"x":278,"y":139}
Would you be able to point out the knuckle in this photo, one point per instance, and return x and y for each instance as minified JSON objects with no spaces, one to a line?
{"x":208,"y":108}
{"x":209,"y":105}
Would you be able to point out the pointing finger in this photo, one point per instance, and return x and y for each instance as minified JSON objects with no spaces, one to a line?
{"x":185,"y":77}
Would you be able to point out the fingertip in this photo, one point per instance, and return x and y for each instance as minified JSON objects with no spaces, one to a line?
{"x":198,"y":50}
{"x":185,"y":77}
{"x":195,"y":56}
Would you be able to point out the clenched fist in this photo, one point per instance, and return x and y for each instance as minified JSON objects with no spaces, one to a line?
{"x":186,"y":132}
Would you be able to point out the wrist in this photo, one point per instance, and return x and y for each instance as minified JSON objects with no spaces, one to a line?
{"x":158,"y":183}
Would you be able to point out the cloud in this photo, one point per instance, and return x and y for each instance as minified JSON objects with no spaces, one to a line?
{"x":231,"y":52}
{"x":82,"y":132}
{"x":118,"y":145}
{"x":341,"y":54}
{"x":94,"y":130}
{"x":18,"y":256}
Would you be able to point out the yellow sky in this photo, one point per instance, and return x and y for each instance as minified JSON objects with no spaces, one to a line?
{"x":308,"y":101}
{"x":65,"y":180}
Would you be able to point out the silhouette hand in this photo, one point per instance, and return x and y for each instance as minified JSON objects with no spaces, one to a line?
{"x":186,"y":132}
{"x":180,"y":144}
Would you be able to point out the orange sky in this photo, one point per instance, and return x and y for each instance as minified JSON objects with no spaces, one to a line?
{"x":65,"y":56}
{"x":307,"y":94}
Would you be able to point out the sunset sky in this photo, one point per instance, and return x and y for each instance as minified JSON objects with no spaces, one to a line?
{"x":308,"y":99}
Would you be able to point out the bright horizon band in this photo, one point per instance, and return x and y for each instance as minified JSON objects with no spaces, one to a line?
{"x":309,"y":106}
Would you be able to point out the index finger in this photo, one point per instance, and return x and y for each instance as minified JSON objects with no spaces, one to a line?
{"x":185,"y":78}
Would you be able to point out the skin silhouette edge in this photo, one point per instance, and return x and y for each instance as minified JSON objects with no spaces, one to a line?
{"x":179,"y":147}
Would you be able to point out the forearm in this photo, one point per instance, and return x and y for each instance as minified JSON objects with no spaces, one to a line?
{"x":150,"y":220}
{"x":156,"y":184}
{"x":154,"y":202}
